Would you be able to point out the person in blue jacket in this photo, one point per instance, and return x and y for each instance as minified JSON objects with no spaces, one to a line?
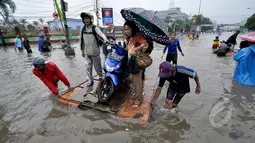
{"x":39,"y":42}
{"x":172,"y":49}
{"x":245,"y":68}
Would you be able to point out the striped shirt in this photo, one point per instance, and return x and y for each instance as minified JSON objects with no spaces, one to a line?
{"x":180,"y":81}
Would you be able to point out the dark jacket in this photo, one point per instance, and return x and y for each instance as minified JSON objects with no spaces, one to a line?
{"x":232,"y":39}
{"x":26,"y":44}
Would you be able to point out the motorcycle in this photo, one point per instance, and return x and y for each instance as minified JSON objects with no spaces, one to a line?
{"x":115,"y":72}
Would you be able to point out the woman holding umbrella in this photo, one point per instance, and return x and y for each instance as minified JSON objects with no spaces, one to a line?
{"x":137,"y":45}
{"x":147,"y":23}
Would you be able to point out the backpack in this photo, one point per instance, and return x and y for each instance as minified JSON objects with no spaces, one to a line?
{"x":100,"y":41}
{"x":45,"y":44}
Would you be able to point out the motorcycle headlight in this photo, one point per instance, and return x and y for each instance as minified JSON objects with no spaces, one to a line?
{"x":109,"y":69}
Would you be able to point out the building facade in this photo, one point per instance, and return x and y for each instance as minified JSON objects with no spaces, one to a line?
{"x":172,"y":14}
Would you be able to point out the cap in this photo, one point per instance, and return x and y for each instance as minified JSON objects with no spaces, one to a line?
{"x":164,"y":69}
{"x":39,"y":61}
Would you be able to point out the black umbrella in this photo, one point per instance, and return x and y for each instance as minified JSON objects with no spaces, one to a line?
{"x":148,"y":23}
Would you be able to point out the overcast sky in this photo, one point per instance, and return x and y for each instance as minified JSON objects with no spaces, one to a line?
{"x":222,"y":11}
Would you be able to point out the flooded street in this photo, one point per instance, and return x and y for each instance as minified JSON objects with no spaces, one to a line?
{"x":223,"y":112}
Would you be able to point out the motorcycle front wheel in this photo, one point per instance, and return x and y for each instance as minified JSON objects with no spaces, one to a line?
{"x":107,"y":90}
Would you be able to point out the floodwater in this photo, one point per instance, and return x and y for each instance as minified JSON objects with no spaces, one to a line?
{"x":223,"y":112}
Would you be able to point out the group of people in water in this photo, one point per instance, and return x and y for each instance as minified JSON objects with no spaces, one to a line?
{"x":91,"y":39}
{"x":245,"y":57}
{"x":19,"y":44}
{"x":43,"y":44}
{"x":221,"y":48}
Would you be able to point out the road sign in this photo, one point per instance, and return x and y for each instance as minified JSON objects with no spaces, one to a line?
{"x":55,"y":15}
{"x":107,"y":15}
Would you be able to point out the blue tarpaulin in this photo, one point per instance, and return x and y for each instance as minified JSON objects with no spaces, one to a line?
{"x":245,"y":68}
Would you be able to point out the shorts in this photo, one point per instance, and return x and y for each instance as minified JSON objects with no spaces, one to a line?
{"x":20,"y":48}
{"x":173,"y":94}
{"x":172,"y":57}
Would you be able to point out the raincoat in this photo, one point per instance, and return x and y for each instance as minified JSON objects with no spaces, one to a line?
{"x":245,"y":68}
{"x":51,"y":76}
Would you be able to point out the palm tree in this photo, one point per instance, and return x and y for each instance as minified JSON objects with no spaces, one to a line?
{"x":41,"y":20}
{"x":6,"y":7}
{"x":23,"y":21}
{"x":35,"y":23}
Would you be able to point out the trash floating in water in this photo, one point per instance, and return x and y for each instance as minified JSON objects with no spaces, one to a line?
{"x":234,"y":135}
{"x":127,"y":129}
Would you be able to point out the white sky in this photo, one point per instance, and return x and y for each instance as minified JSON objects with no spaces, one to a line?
{"x":223,"y":11}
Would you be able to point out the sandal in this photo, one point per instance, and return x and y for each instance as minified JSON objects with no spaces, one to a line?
{"x":137,"y":103}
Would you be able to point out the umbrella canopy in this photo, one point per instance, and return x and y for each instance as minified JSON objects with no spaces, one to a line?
{"x":250,"y":37}
{"x":148,"y":23}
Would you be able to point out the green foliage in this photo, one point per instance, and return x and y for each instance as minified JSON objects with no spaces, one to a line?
{"x":180,"y":25}
{"x":6,"y":7}
{"x":250,"y":23}
{"x":204,"y":20}
{"x":35,"y":23}
{"x":30,"y":27}
{"x":23,"y":21}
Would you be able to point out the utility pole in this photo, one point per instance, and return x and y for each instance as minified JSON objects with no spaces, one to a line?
{"x":63,"y":8}
{"x":97,"y":12}
{"x":199,"y":17}
{"x":199,"y":7}
{"x":68,"y":50}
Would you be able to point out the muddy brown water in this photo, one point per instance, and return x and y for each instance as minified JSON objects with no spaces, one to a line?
{"x":223,"y":112}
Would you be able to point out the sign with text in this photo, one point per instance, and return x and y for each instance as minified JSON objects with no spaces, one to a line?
{"x":107,"y":16}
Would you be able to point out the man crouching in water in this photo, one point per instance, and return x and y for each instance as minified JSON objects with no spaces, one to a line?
{"x":178,"y":77}
{"x":49,"y":74}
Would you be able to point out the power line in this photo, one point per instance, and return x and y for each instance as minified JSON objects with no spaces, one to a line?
{"x":34,"y":5}
{"x":82,"y":8}
{"x":81,"y":4}
{"x":44,"y":2}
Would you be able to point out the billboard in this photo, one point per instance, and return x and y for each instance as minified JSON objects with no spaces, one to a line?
{"x":107,"y":16}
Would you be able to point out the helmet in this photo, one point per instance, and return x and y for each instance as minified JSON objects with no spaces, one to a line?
{"x":84,"y":14}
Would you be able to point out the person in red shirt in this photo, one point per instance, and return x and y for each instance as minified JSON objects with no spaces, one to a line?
{"x":49,"y":74}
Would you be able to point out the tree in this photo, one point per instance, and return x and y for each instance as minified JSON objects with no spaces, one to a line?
{"x":6,"y":7}
{"x":41,"y":20}
{"x":168,"y":20}
{"x":187,"y":25}
{"x":200,"y":20}
{"x":23,"y":21}
{"x":250,"y":23}
{"x":30,"y":27}
{"x":15,"y":22}
{"x":35,"y":23}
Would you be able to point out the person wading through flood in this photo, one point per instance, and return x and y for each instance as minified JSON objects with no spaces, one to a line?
{"x":18,"y":43}
{"x":49,"y":74}
{"x":172,"y":49}
{"x":231,"y":42}
{"x":136,"y":45}
{"x":91,"y":38}
{"x":45,"y":44}
{"x":178,"y":77}
{"x":27,"y":45}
